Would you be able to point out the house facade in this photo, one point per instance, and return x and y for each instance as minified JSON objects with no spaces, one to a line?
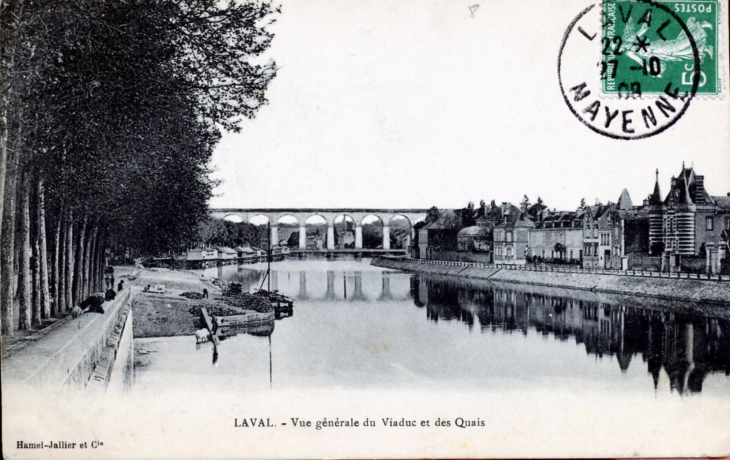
{"x":557,"y":236}
{"x":439,"y":235}
{"x":597,"y":228}
{"x":511,"y":236}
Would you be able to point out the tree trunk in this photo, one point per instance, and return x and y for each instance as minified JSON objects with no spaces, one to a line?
{"x":99,"y":262}
{"x":45,"y":298}
{"x":7,"y":252}
{"x":62,"y":261}
{"x":87,"y":262}
{"x":8,"y":33}
{"x":56,"y":268}
{"x":78,"y":287}
{"x":24,"y":274}
{"x":36,"y":278}
{"x":69,"y":263}
{"x":90,"y":268}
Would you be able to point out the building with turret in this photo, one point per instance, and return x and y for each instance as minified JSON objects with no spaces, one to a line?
{"x":688,"y":223}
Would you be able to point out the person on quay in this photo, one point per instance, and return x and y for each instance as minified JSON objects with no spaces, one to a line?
{"x":92,"y":304}
{"x":109,"y":276}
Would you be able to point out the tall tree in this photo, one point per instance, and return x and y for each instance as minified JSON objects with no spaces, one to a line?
{"x":113,"y":110}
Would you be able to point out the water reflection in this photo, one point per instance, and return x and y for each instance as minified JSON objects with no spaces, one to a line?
{"x":358,"y":326}
{"x":687,"y":344}
{"x":329,"y":285}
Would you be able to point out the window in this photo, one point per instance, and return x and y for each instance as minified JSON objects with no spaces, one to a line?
{"x":709,"y":223}
{"x":727,"y":223}
{"x":509,"y":251}
{"x":595,"y":231}
{"x":509,"y":237}
{"x":605,"y":239}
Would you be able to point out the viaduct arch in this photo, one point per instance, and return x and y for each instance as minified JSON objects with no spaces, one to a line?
{"x":329,"y":215}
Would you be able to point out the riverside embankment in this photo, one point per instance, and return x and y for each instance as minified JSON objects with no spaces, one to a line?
{"x":684,"y":287}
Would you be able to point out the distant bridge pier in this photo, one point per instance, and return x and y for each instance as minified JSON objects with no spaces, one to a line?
{"x":358,"y":295}
{"x":302,"y":285}
{"x":302,"y":236}
{"x":330,"y":236}
{"x":385,"y":292}
{"x":358,"y":236}
{"x":274,"y":235}
{"x":330,"y":295}
{"x":386,"y":237}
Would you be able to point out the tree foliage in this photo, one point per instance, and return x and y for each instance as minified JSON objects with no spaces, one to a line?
{"x":115,"y":107}
{"x":218,"y":232}
{"x":536,"y":209}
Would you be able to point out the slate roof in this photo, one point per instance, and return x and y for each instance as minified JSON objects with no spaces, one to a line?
{"x":722,"y":202}
{"x":685,"y":190}
{"x":561,"y":219}
{"x":516,"y":219}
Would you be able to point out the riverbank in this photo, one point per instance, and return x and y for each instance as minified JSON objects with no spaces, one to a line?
{"x":167,"y":315}
{"x":170,"y":314}
{"x":683,"y":289}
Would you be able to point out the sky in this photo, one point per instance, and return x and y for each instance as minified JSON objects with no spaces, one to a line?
{"x":413,"y":104}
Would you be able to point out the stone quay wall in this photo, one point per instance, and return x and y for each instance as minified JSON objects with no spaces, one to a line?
{"x":68,"y":355}
{"x":682,"y":286}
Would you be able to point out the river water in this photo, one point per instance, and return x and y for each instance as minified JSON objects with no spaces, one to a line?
{"x":356,"y":326}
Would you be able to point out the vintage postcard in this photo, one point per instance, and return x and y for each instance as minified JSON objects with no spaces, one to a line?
{"x":364,"y":229}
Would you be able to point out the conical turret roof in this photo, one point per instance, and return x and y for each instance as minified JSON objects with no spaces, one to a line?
{"x":656,"y":197}
{"x":624,"y":201}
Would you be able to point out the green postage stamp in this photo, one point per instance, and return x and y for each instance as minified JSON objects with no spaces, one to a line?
{"x":646,"y":45}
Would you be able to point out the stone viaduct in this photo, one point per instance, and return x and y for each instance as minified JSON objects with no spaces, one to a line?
{"x":273,"y":215}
